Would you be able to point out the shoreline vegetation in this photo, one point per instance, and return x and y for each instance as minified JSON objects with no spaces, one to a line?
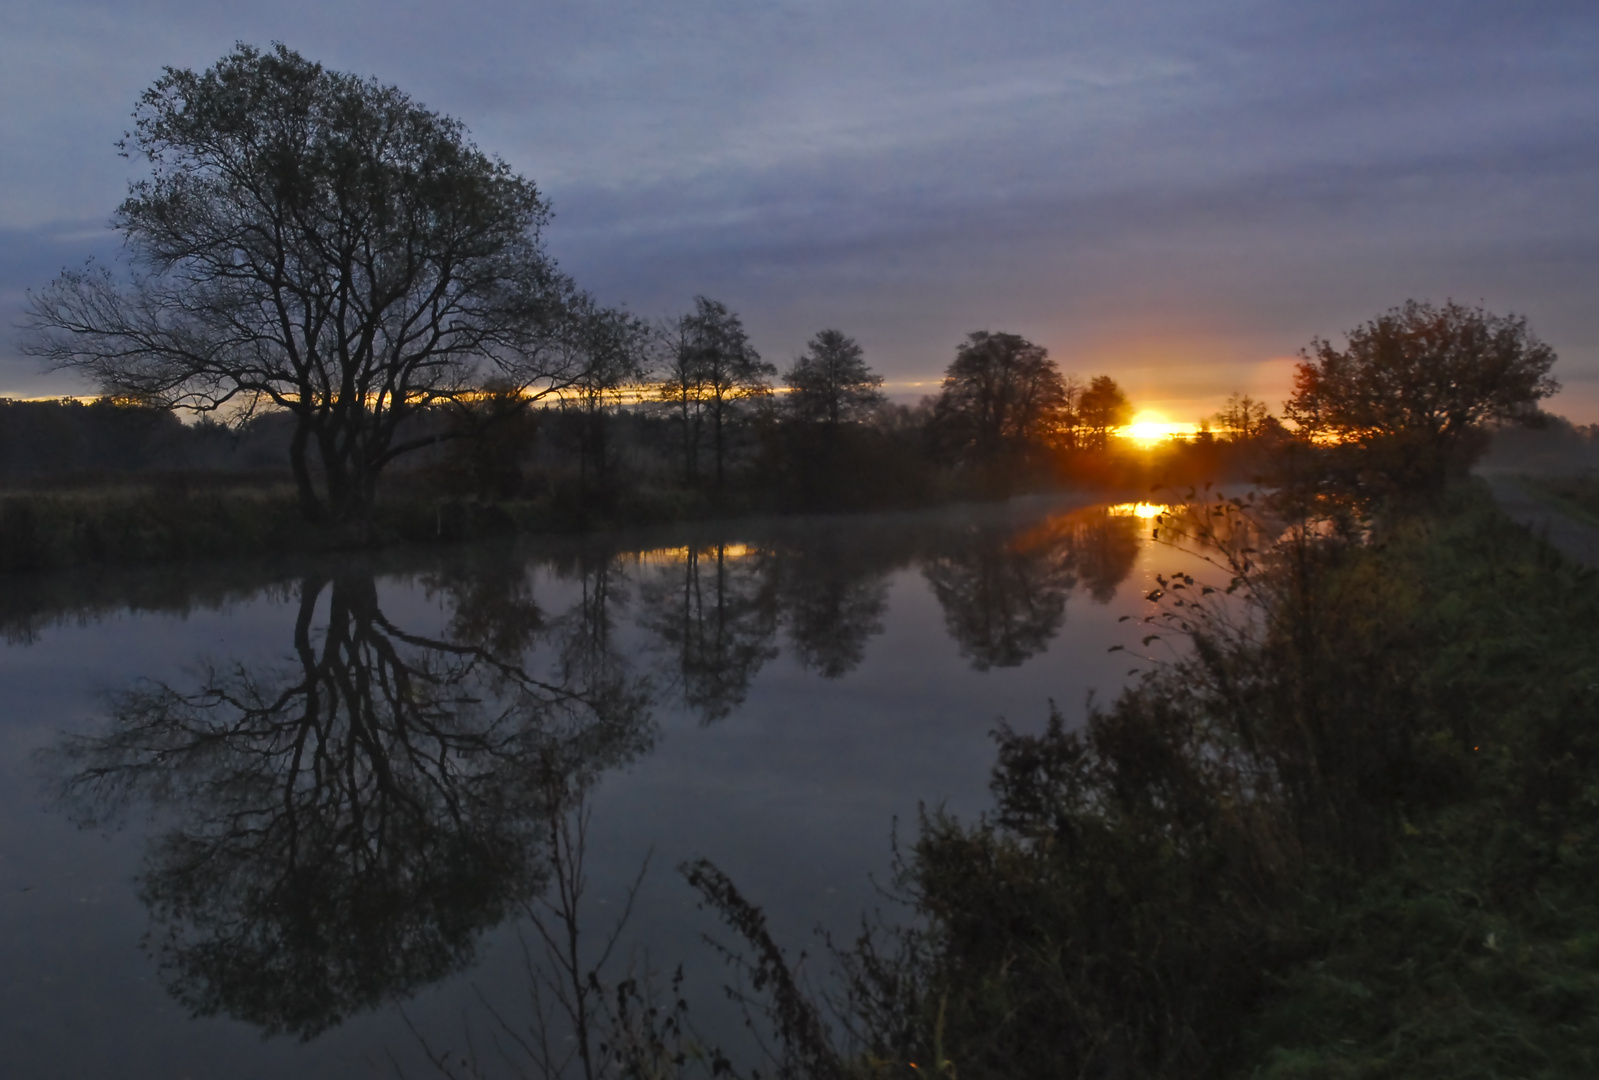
{"x":1355,"y":838}
{"x":115,"y":484}
{"x":1350,"y":831}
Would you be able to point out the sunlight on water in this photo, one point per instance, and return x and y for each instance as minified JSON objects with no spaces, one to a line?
{"x":1139,"y":510}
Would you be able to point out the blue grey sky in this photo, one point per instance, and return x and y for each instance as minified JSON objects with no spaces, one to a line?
{"x":1179,"y":194}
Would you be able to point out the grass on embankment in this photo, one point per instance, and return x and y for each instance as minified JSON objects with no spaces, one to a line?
{"x":136,"y":524}
{"x":1474,"y":951}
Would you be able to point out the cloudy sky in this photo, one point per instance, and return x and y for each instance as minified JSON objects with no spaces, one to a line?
{"x":1180,"y":194}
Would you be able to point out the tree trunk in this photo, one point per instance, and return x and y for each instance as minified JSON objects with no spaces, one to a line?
{"x":311,"y":508}
{"x":716,"y":420}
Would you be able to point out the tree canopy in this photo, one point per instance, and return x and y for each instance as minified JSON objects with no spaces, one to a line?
{"x":830,"y":383}
{"x":1101,"y":408}
{"x":319,"y":243}
{"x":1415,"y":386}
{"x":711,"y":366}
{"x":999,"y":398}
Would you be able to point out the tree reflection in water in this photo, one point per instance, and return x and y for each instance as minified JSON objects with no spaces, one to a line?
{"x":833,"y":597}
{"x":1004,"y":593}
{"x":346,"y":825}
{"x":715,"y":618}
{"x":339,"y":828}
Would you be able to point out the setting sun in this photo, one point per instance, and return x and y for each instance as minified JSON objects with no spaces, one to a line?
{"x":1148,"y":428}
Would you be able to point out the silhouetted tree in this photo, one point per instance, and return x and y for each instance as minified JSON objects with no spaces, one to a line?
{"x":725,"y":369}
{"x":318,"y":243}
{"x":999,"y":400}
{"x":612,"y":362}
{"x":1243,"y":419}
{"x":1068,"y":433}
{"x":682,"y":389}
{"x":492,"y":433}
{"x":830,"y":382}
{"x":1102,"y":408}
{"x":1414,"y":388}
{"x":822,"y":456}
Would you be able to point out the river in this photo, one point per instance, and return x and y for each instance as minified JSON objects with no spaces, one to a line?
{"x":286,"y":819}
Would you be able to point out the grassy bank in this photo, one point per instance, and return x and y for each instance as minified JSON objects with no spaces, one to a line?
{"x":177,"y":519}
{"x":134,"y":524}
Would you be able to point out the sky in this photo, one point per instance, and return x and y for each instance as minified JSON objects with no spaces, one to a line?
{"x":1180,"y":194}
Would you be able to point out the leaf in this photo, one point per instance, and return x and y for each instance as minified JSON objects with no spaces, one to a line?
{"x":1116,"y":648}
{"x":1151,"y":637}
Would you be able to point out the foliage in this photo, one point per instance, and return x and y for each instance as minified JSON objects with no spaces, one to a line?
{"x":999,"y":401}
{"x":317,"y":243}
{"x":1351,"y":832}
{"x":830,"y":382}
{"x":1412,"y":390}
{"x":711,"y":368}
{"x":1101,"y":408}
{"x":1350,"y":836}
{"x":614,"y":362}
{"x":1243,"y":419}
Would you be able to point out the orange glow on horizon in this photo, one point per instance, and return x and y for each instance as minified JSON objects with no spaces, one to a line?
{"x":1138,"y":510}
{"x":1149,"y":428}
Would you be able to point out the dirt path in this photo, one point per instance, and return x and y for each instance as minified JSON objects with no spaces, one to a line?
{"x":1577,"y":540}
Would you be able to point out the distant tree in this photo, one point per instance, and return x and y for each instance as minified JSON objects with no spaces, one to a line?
{"x":1000,"y":399}
{"x":1102,"y":408}
{"x":319,"y":243}
{"x":1243,"y":419}
{"x":722,"y":366}
{"x":1069,"y":433}
{"x":1415,"y":387}
{"x":830,"y":382}
{"x":490,"y":434}
{"x":682,"y":389}
{"x":612,"y":361}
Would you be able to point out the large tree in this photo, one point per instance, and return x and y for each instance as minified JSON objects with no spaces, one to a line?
{"x":315,"y":242}
{"x":1414,"y":388}
{"x":1000,"y":399}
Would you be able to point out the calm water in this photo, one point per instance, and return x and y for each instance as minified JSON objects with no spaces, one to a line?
{"x":250,"y":814}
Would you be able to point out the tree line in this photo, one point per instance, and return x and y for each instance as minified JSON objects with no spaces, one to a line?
{"x":319,"y":246}
{"x":319,"y":254}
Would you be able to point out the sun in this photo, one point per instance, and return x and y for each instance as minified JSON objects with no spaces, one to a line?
{"x":1149,"y":428}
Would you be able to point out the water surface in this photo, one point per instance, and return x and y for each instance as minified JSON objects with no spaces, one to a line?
{"x":265,"y":820}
